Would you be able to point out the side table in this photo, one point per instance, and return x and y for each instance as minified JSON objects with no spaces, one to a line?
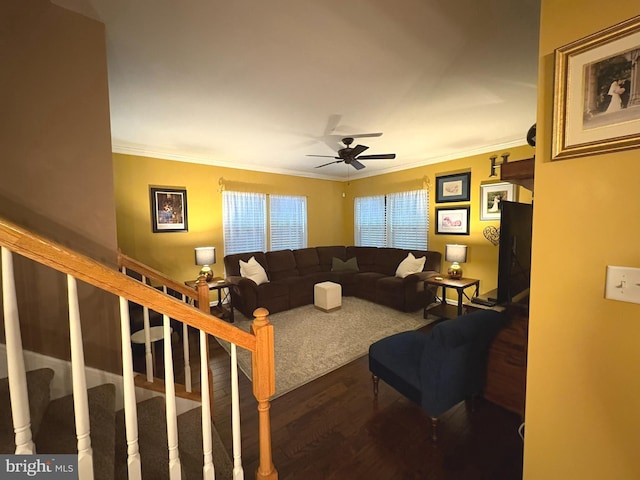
{"x":222,"y":311}
{"x":459,"y":284}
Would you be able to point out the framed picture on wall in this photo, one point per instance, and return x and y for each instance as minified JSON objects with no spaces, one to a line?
{"x":452,"y":221}
{"x":168,"y":209}
{"x":597,"y":92}
{"x":491,"y":195}
{"x":453,"y":188}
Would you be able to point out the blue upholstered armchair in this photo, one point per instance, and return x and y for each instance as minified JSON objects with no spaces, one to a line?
{"x":441,"y":368}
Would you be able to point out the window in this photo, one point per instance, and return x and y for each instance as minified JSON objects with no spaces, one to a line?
{"x":244,"y":218}
{"x":399,"y":220}
{"x":370,"y":221}
{"x":287,"y":222}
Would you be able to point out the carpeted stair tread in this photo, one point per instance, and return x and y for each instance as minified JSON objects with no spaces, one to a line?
{"x":39,"y":390}
{"x":58,"y":434}
{"x":152,"y":435}
{"x":152,"y":440}
{"x":190,"y":446}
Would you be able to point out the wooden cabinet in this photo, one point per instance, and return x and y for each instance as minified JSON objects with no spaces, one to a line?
{"x":507,"y":363}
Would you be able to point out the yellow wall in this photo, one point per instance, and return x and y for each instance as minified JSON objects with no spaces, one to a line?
{"x":330,"y":215}
{"x":583,"y":385}
{"x":172,"y":253}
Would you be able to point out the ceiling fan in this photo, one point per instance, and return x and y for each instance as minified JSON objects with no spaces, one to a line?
{"x":351,"y":156}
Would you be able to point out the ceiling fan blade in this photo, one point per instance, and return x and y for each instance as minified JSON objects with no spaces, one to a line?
{"x":330,"y":163}
{"x":358,"y":149}
{"x":366,"y":135}
{"x":356,"y":164}
{"x":380,"y":156}
{"x":325,"y":156}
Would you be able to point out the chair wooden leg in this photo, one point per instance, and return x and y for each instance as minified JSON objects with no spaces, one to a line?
{"x":434,"y":429}
{"x":376,"y":380}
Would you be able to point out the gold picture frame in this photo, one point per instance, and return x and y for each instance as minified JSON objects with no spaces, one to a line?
{"x":590,"y":114}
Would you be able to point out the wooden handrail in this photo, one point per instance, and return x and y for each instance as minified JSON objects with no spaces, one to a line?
{"x":90,"y":271}
{"x":147,"y":271}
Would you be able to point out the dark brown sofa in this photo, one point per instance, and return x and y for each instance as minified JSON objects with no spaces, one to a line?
{"x":293,"y":273}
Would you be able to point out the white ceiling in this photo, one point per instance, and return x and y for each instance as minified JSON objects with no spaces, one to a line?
{"x":256,"y":84}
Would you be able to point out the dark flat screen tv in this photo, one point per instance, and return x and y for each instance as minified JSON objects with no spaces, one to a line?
{"x":514,"y":259}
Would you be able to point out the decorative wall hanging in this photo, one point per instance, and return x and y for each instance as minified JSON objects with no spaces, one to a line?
{"x":492,"y":234}
{"x":453,"y":188}
{"x":596,"y":84}
{"x":168,"y":209}
{"x":452,"y":221}
{"x":491,"y":194}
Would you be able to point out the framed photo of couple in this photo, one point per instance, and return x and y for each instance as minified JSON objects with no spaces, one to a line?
{"x":597,"y":92}
{"x":491,"y":194}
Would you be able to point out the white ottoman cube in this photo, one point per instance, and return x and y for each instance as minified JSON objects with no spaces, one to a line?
{"x":327,"y":296}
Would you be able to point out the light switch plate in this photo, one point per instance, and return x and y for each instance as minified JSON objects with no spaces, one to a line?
{"x":623,"y":284}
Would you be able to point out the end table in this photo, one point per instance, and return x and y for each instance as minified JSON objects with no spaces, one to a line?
{"x":222,"y":311}
{"x":459,"y":284}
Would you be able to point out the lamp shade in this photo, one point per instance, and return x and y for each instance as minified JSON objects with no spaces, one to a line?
{"x":455,"y":253}
{"x":205,"y":255}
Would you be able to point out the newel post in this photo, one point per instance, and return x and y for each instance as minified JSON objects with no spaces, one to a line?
{"x":264,"y":386}
{"x":203,"y":304}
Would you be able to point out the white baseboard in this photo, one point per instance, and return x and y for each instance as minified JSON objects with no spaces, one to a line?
{"x":62,"y":385}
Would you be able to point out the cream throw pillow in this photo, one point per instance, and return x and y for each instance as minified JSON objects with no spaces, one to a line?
{"x":410,"y":265}
{"x":254,"y":271}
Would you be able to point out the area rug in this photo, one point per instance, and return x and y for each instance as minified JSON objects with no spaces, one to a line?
{"x":310,"y":343}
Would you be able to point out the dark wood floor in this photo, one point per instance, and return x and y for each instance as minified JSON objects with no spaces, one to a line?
{"x":332,"y":428}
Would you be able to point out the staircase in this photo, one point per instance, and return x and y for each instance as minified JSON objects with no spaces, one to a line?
{"x":152,"y":436}
{"x":54,"y":431}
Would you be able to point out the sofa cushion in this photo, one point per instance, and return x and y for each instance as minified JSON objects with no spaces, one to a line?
{"x":282,"y":264}
{"x":253,"y":270}
{"x":307,"y":260}
{"x":326,"y":255}
{"x":350,"y":265}
{"x":410,"y":265}
{"x":366,"y":258}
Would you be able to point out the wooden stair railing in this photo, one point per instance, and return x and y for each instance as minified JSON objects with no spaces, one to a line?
{"x":260,"y":341}
{"x":201,"y":294}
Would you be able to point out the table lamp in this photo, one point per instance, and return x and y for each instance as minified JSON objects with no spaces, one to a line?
{"x":456,"y":254}
{"x":206,"y":256}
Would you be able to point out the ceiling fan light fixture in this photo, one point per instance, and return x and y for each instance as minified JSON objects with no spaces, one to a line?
{"x":351,"y":156}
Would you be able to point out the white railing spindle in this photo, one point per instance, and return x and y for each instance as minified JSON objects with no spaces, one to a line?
{"x":80,"y":396}
{"x":15,"y":360}
{"x":208,"y":469}
{"x":130,"y":410}
{"x":185,"y":349}
{"x":148,"y":351}
{"x":238,"y":471}
{"x":175,"y":469}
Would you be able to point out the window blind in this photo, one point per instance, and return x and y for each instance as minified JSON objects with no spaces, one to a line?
{"x":287,"y":222}
{"x":399,"y":220}
{"x":370,"y":221}
{"x":244,"y":219}
{"x":407,"y":220}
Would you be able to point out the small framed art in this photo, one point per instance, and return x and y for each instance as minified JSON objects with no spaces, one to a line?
{"x":453,"y":188}
{"x":452,"y":221}
{"x":168,"y":209}
{"x":491,"y":194}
